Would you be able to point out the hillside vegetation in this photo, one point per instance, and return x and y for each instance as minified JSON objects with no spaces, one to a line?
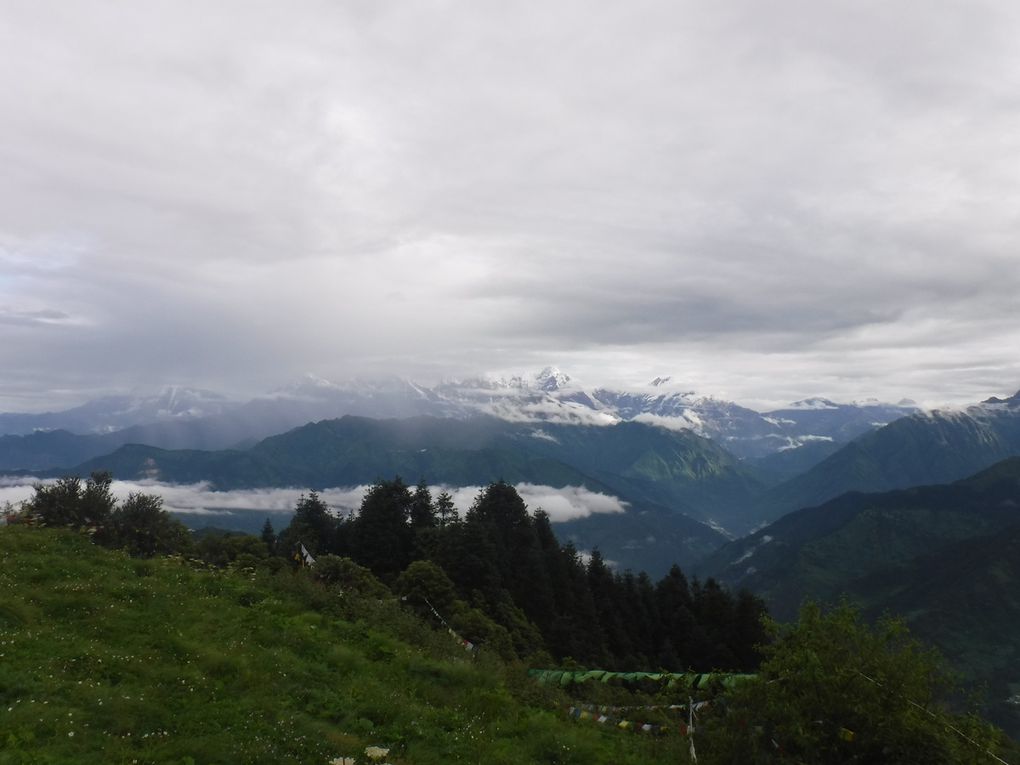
{"x":113,"y":659}
{"x":109,"y":659}
{"x":922,"y":449}
{"x":945,"y":558}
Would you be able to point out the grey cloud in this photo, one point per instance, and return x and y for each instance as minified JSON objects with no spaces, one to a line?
{"x":42,"y":317}
{"x":232,"y":195}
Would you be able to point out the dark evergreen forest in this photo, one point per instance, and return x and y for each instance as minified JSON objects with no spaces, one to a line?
{"x":499,"y":576}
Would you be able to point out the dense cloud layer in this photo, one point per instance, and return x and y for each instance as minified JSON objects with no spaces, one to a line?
{"x":764,"y":200}
{"x":563,"y":504}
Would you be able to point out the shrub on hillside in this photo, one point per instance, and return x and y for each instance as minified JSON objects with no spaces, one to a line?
{"x":833,"y":689}
{"x":347,"y":576}
{"x":143,"y":528}
{"x":70,"y":503}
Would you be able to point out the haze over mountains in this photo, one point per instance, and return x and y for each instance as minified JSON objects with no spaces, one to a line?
{"x":185,"y":418}
{"x":693,"y":469}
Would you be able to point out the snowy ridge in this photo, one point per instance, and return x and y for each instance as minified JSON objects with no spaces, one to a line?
{"x":550,"y":395}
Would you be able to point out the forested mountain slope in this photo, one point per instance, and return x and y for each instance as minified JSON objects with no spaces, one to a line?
{"x":922,"y":449}
{"x":944,"y":557}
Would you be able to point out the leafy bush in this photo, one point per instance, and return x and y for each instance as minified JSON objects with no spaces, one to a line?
{"x":68,"y":502}
{"x":834,"y":690}
{"x":143,"y":528}
{"x":348,"y":577}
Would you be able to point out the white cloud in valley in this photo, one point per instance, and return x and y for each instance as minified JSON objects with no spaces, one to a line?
{"x":562,"y":504}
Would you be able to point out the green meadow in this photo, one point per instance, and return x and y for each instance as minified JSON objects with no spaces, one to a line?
{"x":106,"y":658}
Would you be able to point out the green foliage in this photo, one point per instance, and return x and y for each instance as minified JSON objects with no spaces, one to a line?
{"x":422,"y":512}
{"x":268,"y":536}
{"x":348,"y":577}
{"x":162,"y":662}
{"x":834,"y":690}
{"x":68,"y":503}
{"x":446,"y":512}
{"x":538,"y":598}
{"x":222,"y":549}
{"x":313,"y":525}
{"x":423,"y":585}
{"x":381,"y":532}
{"x":474,"y":625}
{"x":143,"y":528}
{"x":139,"y":525}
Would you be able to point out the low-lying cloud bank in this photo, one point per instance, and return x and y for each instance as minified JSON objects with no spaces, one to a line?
{"x":562,"y":504}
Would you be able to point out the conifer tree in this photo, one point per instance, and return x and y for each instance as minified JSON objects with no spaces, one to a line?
{"x":676,"y":623}
{"x":446,"y":513}
{"x":268,"y":536}
{"x":423,"y":511}
{"x":500,"y":510}
{"x":313,"y":526}
{"x":381,"y":532}
{"x":605,"y":593}
{"x":579,"y":631}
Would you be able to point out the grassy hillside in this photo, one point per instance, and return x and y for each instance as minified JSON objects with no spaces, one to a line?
{"x":109,"y":659}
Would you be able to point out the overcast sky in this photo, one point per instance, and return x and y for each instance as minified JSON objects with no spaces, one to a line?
{"x":767,"y":200}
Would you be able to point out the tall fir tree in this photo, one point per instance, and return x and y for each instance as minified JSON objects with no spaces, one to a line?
{"x":313,"y":526}
{"x":422,"y":512}
{"x":268,"y":536}
{"x":381,"y":532}
{"x":446,"y":512}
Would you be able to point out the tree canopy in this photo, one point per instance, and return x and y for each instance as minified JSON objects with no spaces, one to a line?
{"x":505,"y":568}
{"x":833,"y":689}
{"x":139,"y":525}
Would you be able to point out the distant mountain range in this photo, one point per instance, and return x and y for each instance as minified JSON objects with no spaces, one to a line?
{"x":110,"y":413}
{"x":922,"y":448}
{"x":681,"y":487}
{"x":791,"y":439}
{"x":670,"y":453}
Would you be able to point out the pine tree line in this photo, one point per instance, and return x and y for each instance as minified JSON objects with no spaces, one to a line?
{"x":503,"y":578}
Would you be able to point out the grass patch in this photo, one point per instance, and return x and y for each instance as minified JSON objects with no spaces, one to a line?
{"x":106,"y":659}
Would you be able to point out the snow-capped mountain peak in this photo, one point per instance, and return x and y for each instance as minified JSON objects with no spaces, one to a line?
{"x":178,"y":401}
{"x":551,"y":379}
{"x":548,"y":396}
{"x":813,"y":403}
